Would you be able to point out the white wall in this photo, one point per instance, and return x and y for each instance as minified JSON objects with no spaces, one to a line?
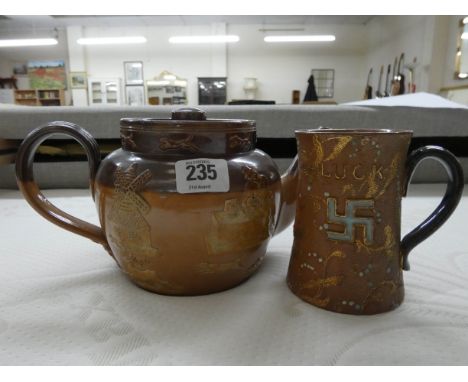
{"x":449,"y":70}
{"x":11,"y":56}
{"x":389,"y":36}
{"x":279,"y":68}
{"x":440,"y":54}
{"x":186,"y":61}
{"x":77,"y":61}
{"x":432,"y":39}
{"x":5,"y":67}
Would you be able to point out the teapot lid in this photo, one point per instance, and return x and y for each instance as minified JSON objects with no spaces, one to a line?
{"x":189,"y":113}
{"x":188,"y":117}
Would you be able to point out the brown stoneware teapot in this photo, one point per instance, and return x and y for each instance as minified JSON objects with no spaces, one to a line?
{"x":186,"y":206}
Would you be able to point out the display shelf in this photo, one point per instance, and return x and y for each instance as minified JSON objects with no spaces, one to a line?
{"x":26,"y":97}
{"x":51,"y":97}
{"x":166,"y":89}
{"x":40,"y":97}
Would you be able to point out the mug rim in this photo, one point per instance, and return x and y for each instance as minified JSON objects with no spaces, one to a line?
{"x":352,"y":131}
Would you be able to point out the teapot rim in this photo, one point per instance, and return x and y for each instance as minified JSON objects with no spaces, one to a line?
{"x":207,"y":124}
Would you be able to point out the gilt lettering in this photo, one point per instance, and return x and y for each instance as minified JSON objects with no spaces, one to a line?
{"x":346,"y":171}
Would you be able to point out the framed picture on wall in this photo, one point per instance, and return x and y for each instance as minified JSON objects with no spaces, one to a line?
{"x":324,"y":82}
{"x":47,"y":74}
{"x":135,"y":95}
{"x":20,"y":69}
{"x":133,"y":71}
{"x":78,"y":80}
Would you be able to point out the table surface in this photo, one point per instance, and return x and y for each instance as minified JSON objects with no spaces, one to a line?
{"x":63,"y":301}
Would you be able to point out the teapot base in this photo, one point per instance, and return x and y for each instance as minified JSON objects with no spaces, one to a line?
{"x":198,"y":292}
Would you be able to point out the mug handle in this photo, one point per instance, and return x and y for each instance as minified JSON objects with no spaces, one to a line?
{"x":445,"y":208}
{"x":30,"y":190}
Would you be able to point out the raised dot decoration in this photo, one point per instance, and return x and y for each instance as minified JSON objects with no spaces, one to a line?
{"x":308,"y":266}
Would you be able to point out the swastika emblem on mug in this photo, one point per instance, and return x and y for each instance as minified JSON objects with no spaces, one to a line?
{"x":350,"y":220}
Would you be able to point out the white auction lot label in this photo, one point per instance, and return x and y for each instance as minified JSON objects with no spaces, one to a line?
{"x":202,"y":175}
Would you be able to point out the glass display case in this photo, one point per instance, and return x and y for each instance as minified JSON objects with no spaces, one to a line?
{"x":212,"y":90}
{"x":167,"y":89}
{"x":105,"y":91}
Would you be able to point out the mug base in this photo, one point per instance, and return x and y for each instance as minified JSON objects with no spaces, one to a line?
{"x":370,"y":310}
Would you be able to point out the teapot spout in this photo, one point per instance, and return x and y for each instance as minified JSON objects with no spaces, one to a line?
{"x":287,"y":209}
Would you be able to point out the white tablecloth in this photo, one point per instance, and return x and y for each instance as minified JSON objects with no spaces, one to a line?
{"x":64,"y":302}
{"x":421,"y":99}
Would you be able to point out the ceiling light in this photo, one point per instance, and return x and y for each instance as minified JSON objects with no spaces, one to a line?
{"x":462,"y":75}
{"x":203,"y":39}
{"x":301,"y":38}
{"x":28,"y":42}
{"x":111,"y":40}
{"x":281,"y":30}
{"x":464,"y":36}
{"x":465,"y":20}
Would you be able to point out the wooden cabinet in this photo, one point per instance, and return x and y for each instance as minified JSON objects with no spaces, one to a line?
{"x":51,"y":97}
{"x":26,"y":97}
{"x":40,"y":97}
{"x":105,"y":91}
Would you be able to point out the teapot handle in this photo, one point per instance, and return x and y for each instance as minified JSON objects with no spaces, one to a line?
{"x":30,"y":190}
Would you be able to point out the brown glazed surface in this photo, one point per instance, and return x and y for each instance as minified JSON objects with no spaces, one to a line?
{"x":169,"y":242}
{"x":346,"y":252}
{"x":189,"y":244}
{"x":185,"y":244}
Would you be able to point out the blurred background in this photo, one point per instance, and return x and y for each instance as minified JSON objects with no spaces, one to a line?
{"x":160,"y":60}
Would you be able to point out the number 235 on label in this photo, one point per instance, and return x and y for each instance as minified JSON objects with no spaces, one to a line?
{"x":202,"y":175}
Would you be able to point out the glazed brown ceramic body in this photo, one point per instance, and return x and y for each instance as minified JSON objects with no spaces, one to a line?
{"x":173,"y":243}
{"x":187,"y":243}
{"x":347,"y":256}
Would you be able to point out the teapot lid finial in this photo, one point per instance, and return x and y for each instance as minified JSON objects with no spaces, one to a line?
{"x":189,"y":113}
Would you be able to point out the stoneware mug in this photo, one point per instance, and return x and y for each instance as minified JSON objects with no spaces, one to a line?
{"x":347,"y":255}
